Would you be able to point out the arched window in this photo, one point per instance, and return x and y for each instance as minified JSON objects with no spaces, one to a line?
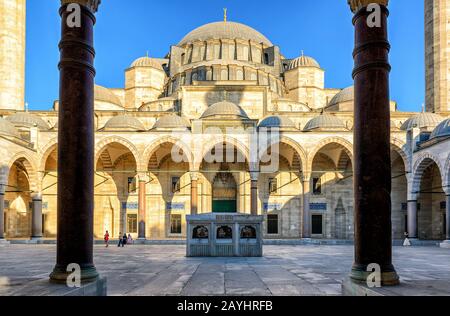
{"x":239,"y":75}
{"x":224,"y":74}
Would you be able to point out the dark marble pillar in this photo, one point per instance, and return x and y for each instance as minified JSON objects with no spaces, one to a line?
{"x":306,"y":208}
{"x":372,"y":180}
{"x":2,"y":215}
{"x":447,"y":218}
{"x":412,"y":219}
{"x":36,"y":219}
{"x":142,"y":208}
{"x":76,"y":144}
{"x":194,"y":193}
{"x":254,"y":194}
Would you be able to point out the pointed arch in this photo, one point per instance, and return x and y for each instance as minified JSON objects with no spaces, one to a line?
{"x":205,"y":149}
{"x":103,"y":144}
{"x":425,"y":160}
{"x":153,"y":148}
{"x":298,"y":149}
{"x":348,"y":147}
{"x":30,"y":166}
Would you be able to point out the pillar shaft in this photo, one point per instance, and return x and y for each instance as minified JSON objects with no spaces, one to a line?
{"x":36,"y":222}
{"x":306,"y":209}
{"x":372,"y":180}
{"x":2,"y":215}
{"x":254,"y":197}
{"x":447,"y":217}
{"x":194,"y":196}
{"x":142,"y":209}
{"x":76,"y":147}
{"x":412,"y":219}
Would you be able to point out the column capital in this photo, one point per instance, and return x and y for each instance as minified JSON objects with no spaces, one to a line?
{"x":37,"y":196}
{"x":143,"y":177}
{"x":90,"y":4}
{"x":356,"y":5}
{"x":306,"y":176}
{"x":195,"y":175}
{"x":254,"y":175}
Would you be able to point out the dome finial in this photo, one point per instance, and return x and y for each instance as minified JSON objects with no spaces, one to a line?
{"x":147,"y":54}
{"x":225,"y":95}
{"x":26,"y":106}
{"x":423,"y":107}
{"x":303,"y":53}
{"x":225,"y":10}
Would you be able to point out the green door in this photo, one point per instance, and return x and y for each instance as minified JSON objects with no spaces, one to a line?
{"x":224,"y":206}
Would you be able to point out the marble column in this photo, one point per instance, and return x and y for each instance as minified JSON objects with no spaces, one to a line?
{"x":194,"y":193}
{"x":142,"y":208}
{"x":412,"y":219}
{"x":306,"y":208}
{"x":2,"y":213}
{"x":447,"y":218}
{"x":372,"y":168}
{"x":76,"y":140}
{"x":36,"y":219}
{"x":254,"y":193}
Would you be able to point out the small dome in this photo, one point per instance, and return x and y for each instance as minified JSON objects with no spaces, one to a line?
{"x":25,"y":119}
{"x":277,"y":121}
{"x":103,"y":94}
{"x":302,"y":61}
{"x":147,"y":62}
{"x":8,"y":129}
{"x":346,"y":95}
{"x":325,"y":121}
{"x":423,"y":120}
{"x":224,"y":108}
{"x":442,"y":130}
{"x":172,"y":121}
{"x":225,"y":30}
{"x":124,"y":122}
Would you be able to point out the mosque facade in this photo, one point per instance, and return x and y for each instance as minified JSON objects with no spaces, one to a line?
{"x":159,"y":138}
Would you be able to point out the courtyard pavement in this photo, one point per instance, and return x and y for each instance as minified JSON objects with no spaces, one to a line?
{"x":284,"y":270}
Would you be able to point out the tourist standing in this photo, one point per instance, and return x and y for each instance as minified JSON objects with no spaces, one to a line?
{"x":130,"y":239}
{"x":107,"y":239}
{"x":120,"y":240}
{"x":124,"y":240}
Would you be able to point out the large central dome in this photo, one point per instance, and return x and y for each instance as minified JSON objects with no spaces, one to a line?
{"x":225,"y":30}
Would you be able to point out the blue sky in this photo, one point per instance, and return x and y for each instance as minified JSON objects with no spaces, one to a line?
{"x":126,"y":30}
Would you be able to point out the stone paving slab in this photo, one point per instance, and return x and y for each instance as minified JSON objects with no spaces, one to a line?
{"x":146,"y":270}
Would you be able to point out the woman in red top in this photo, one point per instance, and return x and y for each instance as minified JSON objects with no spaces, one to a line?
{"x":107,"y":239}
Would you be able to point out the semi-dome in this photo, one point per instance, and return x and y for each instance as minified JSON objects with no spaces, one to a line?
{"x":225,"y":30}
{"x":302,"y":61}
{"x":442,"y":130}
{"x":346,"y":95}
{"x":325,"y":122}
{"x":103,"y":94}
{"x":25,"y":119}
{"x":147,"y":62}
{"x":8,"y":129}
{"x":224,"y":109}
{"x":277,"y":121}
{"x":172,"y":121}
{"x":124,"y":122}
{"x":423,"y":120}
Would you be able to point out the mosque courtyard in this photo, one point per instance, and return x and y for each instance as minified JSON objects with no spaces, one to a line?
{"x":283,"y":271}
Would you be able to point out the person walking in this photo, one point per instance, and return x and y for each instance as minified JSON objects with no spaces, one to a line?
{"x":107,"y":239}
{"x":120,"y":240}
